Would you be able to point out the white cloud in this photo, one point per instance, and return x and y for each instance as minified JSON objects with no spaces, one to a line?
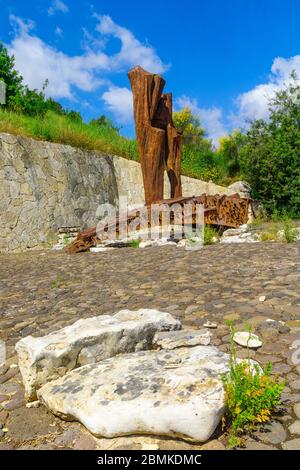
{"x":210,"y":118}
{"x":132,"y":51}
{"x":37,"y":61}
{"x":57,"y":6}
{"x":120,"y":102}
{"x":254,"y":104}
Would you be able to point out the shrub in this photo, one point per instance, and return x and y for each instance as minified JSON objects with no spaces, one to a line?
{"x":210,"y":235}
{"x":270,"y":155}
{"x":270,"y":235}
{"x":289,"y":230}
{"x":251,"y":394}
{"x":135,"y":243}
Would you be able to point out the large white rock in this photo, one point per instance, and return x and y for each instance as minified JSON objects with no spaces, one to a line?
{"x":88,"y":341}
{"x":177,"y":393}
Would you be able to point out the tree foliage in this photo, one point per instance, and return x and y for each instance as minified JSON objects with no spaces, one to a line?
{"x":198,"y":154}
{"x":270,"y":156}
{"x":20,"y":98}
{"x":12,"y":79}
{"x":229,"y":149}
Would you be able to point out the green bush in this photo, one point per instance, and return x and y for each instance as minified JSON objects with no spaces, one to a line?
{"x":289,"y":230}
{"x":210,"y":235}
{"x":251,"y":394}
{"x":270,"y":155}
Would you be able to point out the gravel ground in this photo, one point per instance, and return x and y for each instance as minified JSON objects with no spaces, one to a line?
{"x":43,"y":291}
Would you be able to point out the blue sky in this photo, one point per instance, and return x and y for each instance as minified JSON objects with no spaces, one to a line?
{"x":224,"y":59}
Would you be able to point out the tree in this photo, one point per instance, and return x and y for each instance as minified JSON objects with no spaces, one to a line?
{"x":12,"y":79}
{"x":198,"y":154}
{"x":189,"y":124}
{"x":270,"y":157}
{"x":229,"y":149}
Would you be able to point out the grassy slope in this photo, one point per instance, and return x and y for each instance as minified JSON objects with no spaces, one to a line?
{"x":59,"y":129}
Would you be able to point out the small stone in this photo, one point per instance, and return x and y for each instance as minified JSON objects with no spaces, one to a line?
{"x":295,"y":385}
{"x":281,"y":368}
{"x":290,"y":397}
{"x":9,"y":388}
{"x":266,"y":359}
{"x":256,"y":321}
{"x":295,"y":428}
{"x":85,"y":442}
{"x":25,"y":424}
{"x":297,"y":410}
{"x":67,"y":438}
{"x":254,"y":445}
{"x":245,"y":339}
{"x":294,"y":444}
{"x":33,"y":404}
{"x":269,"y":334}
{"x":211,"y":325}
{"x":213,"y":445}
{"x":232,"y":317}
{"x":262,"y":298}
{"x":100,"y":249}
{"x":3,"y":370}
{"x":284,"y":329}
{"x":3,"y":417}
{"x":14,"y":404}
{"x":273,"y":433}
{"x":8,"y":375}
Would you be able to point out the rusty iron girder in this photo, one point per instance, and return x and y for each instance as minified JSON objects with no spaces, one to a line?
{"x":221,"y":211}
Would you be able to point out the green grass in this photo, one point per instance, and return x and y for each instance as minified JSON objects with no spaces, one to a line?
{"x":61,"y":129}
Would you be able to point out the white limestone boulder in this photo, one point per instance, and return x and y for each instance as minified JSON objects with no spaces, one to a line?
{"x":177,"y":339}
{"x":87,"y":341}
{"x":176,"y":393}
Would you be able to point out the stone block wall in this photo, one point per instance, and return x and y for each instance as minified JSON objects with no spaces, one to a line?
{"x":46,"y":186}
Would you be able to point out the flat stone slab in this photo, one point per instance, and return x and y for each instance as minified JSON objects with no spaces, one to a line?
{"x":87,"y":341}
{"x":176,"y":339}
{"x":175,"y":393}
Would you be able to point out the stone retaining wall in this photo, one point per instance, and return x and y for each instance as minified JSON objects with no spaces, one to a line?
{"x":46,"y":186}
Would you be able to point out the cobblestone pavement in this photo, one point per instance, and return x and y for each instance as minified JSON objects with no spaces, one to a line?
{"x":44,"y":291}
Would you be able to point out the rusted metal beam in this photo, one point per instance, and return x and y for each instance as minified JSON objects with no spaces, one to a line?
{"x":222,"y":211}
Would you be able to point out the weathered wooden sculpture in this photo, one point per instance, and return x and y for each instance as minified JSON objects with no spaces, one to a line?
{"x":159,"y":143}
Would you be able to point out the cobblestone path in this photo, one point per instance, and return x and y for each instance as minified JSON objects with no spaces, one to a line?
{"x":43,"y":291}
